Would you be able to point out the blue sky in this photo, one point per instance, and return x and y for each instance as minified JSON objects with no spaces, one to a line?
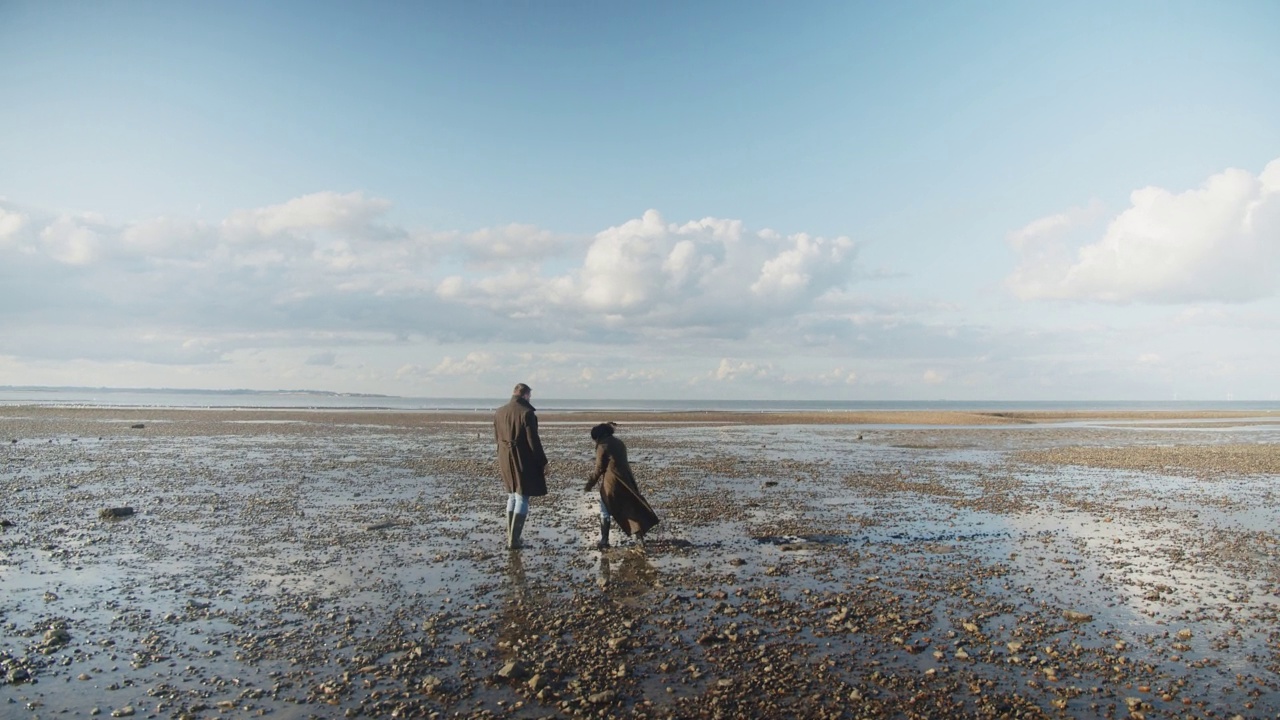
{"x":989,"y":200}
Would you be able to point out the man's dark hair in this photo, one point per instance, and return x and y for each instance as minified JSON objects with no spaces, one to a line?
{"x":521,"y":389}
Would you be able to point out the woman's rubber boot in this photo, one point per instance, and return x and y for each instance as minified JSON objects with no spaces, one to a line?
{"x":605,"y":524}
{"x":517,"y":527}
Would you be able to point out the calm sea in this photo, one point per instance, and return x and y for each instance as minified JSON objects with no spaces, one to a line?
{"x":169,"y":398}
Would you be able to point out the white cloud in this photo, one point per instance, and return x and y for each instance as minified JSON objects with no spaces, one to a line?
{"x":315,"y":211}
{"x":167,"y":240}
{"x":708,"y":269}
{"x":839,"y":375}
{"x":409,"y":371}
{"x":741,"y":369}
{"x":629,"y":375}
{"x":11,"y":222}
{"x":451,"y":287}
{"x":1054,"y":226}
{"x":70,"y":241}
{"x":933,"y":377}
{"x":475,"y":363}
{"x":327,"y":275}
{"x":794,"y":270}
{"x":520,"y":243}
{"x":623,"y":265}
{"x":1219,"y":242}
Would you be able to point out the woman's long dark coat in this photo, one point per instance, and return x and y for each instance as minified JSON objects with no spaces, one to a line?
{"x":521,"y":460}
{"x":618,"y":488}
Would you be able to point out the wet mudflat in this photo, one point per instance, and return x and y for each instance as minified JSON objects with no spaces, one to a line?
{"x":330,"y":564}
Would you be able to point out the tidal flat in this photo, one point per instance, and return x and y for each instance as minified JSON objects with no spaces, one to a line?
{"x":333,"y":563}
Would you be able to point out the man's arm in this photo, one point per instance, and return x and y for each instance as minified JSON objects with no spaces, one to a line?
{"x":535,"y":442}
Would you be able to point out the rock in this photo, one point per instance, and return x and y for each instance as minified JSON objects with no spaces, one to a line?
{"x":6,"y":523}
{"x":431,"y":683}
{"x":55,"y":637}
{"x":1076,"y":616}
{"x":537,"y":682}
{"x":115,"y":513}
{"x":513,"y":670}
{"x":18,"y":675}
{"x":126,"y":711}
{"x":138,"y":426}
{"x":602,"y":697}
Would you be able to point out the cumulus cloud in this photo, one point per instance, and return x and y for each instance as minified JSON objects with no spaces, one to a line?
{"x":838,"y":376}
{"x":70,"y":241}
{"x":510,"y":243}
{"x":707,"y":271}
{"x":333,"y":264}
{"x":167,"y":241}
{"x":629,"y":375}
{"x":1219,"y":242}
{"x":11,"y":222}
{"x":730,"y":369}
{"x":322,"y":210}
{"x":475,"y":363}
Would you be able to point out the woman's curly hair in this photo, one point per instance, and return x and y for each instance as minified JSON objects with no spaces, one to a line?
{"x":602,"y":431}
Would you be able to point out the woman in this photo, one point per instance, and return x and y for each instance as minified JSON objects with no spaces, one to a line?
{"x":620,"y":497}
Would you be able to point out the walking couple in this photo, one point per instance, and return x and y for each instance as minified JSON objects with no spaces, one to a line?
{"x":523,"y":465}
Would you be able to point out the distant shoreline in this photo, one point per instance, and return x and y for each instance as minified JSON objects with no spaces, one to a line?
{"x":410,"y":418}
{"x":160,"y":398}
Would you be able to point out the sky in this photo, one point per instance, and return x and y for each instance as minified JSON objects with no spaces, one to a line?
{"x":993,"y":200}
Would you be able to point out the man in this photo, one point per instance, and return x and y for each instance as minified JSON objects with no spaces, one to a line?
{"x":521,"y":460}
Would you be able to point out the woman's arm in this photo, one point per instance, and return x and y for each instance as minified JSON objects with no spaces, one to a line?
{"x":602,"y":465}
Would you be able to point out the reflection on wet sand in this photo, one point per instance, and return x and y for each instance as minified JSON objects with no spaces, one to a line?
{"x":627,"y":574}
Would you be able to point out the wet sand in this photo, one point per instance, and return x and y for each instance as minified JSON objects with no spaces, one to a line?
{"x":349,"y":563}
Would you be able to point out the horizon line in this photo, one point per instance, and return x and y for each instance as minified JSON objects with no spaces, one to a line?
{"x":335,"y":393}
